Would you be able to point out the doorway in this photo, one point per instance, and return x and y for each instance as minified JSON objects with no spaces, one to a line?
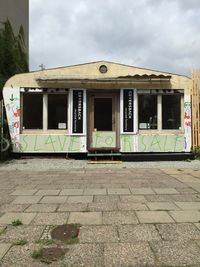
{"x":103,"y":126}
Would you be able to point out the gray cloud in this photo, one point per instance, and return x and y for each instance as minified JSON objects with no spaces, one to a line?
{"x":154,"y":34}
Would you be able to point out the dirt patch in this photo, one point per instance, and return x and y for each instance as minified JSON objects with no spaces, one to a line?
{"x":65,"y":232}
{"x":53,"y":253}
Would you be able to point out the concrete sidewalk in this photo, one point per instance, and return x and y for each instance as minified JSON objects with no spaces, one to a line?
{"x":128,"y":217}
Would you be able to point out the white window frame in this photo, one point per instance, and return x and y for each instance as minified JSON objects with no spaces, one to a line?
{"x":45,"y":113}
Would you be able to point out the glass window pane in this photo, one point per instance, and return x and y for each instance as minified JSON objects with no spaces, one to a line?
{"x":103,"y":114}
{"x":57,"y":111}
{"x":171,"y":111}
{"x":32,"y":111}
{"x":147,"y":106}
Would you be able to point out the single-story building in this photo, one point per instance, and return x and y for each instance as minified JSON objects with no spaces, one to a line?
{"x":99,"y":106}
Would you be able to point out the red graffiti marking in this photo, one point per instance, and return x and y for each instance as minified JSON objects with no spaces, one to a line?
{"x":186,"y":116}
{"x":188,"y":123}
{"x":17,"y":113}
{"x":16,"y":124}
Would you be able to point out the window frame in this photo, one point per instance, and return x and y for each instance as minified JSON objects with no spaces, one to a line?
{"x":159,"y":115}
{"x":44,"y":129}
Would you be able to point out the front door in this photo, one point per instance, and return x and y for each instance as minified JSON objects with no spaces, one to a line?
{"x":102,"y":121}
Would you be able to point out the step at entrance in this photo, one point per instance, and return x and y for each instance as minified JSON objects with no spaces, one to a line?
{"x":104,"y":154}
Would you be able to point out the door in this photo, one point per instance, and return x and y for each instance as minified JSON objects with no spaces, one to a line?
{"x":102,"y":121}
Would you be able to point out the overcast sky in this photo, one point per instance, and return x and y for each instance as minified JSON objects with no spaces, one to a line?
{"x":157,"y":34}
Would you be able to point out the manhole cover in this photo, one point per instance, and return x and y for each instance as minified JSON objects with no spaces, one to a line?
{"x":64,"y":232}
{"x":52,"y":253}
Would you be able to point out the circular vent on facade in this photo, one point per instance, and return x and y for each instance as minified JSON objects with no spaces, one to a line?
{"x":103,"y":69}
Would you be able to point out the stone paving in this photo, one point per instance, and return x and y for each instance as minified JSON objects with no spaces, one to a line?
{"x":129,"y":217}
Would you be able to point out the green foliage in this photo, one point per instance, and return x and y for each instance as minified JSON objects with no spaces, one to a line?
{"x":71,"y":241}
{"x":45,"y":242}
{"x":36,"y":253}
{"x":196,"y":152}
{"x":16,"y":222}
{"x":13,"y":58}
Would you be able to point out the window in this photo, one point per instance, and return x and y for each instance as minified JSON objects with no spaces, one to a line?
{"x":44,"y":111}
{"x":32,"y":111}
{"x":171,"y":112}
{"x":57,"y":111}
{"x":147,"y":111}
{"x":103,"y":114}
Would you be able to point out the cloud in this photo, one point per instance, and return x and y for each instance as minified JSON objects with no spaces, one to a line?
{"x":154,"y":34}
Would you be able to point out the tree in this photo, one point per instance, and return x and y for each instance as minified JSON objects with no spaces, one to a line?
{"x":13,"y":57}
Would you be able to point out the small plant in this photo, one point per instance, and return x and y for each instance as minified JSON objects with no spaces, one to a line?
{"x":196,"y":152}
{"x":21,"y":242}
{"x":37,"y":253}
{"x":45,"y":242}
{"x":16,"y":222}
{"x":72,"y":241}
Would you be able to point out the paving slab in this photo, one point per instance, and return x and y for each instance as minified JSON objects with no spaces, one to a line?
{"x":24,"y":192}
{"x":80,"y":199}
{"x":165,"y":191}
{"x":188,"y":205}
{"x":53,"y":199}
{"x":133,"y":198}
{"x":131,"y":206}
{"x":119,"y":191}
{"x":31,"y":233}
{"x":9,"y":217}
{"x":106,"y":199}
{"x":162,"y":206}
{"x":98,"y":206}
{"x":95,"y":191}
{"x":176,"y":253}
{"x":119,"y":217}
{"x":185,"y":215}
{"x":42,"y":208}
{"x":128,"y":254}
{"x":98,"y":234}
{"x":142,"y":191}
{"x":73,"y":207}
{"x":27,"y":200}
{"x":140,"y":232}
{"x":47,"y":192}
{"x":178,"y":231}
{"x":88,"y":255}
{"x":13,"y":207}
{"x":71,"y":192}
{"x":154,"y":217}
{"x":55,"y":218}
{"x":3,"y":249}
{"x":85,"y":218}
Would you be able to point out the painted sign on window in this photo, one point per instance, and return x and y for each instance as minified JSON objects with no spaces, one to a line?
{"x":128,"y":107}
{"x":77,"y":126}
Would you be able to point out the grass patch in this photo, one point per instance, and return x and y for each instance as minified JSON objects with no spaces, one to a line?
{"x":16,"y":222}
{"x":37,"y":253}
{"x":45,"y":242}
{"x":21,"y":242}
{"x":72,"y":241}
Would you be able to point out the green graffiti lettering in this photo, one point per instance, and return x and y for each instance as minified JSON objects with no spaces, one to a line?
{"x":143,"y":143}
{"x":49,"y":141}
{"x":35,"y":144}
{"x":164,"y":148}
{"x":127,"y":143}
{"x":109,"y":140}
{"x":26,"y":143}
{"x":156,"y":142}
{"x":177,"y":140}
{"x":97,"y":136}
{"x":73,"y":142}
{"x":62,"y":145}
